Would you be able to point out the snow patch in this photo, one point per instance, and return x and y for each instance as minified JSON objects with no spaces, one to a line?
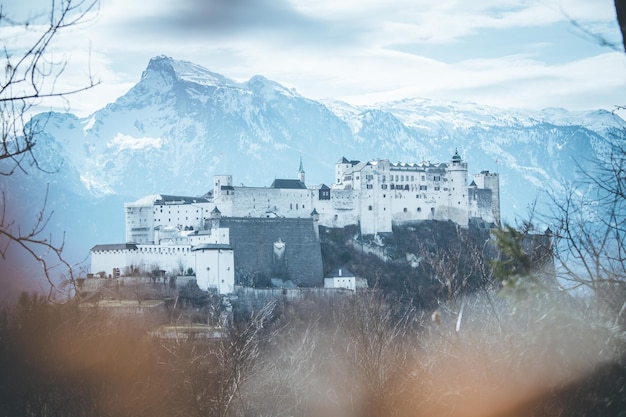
{"x":89,"y":124}
{"x":121,"y":142}
{"x":95,"y":187}
{"x":145,"y":201}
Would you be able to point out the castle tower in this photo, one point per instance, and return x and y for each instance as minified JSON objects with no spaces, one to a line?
{"x":301,"y":172}
{"x":458,"y":199}
{"x":216,"y":216}
{"x":491,"y":181}
{"x":316,"y":221}
{"x":220,"y":181}
{"x":340,"y":168}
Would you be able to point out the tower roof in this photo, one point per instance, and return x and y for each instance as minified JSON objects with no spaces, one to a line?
{"x":456,"y":156}
{"x":301,"y":169}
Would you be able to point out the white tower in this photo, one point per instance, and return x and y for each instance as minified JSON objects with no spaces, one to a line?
{"x":220,"y":181}
{"x":340,"y":168}
{"x":457,"y":186}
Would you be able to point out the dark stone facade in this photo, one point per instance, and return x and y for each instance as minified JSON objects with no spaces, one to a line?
{"x":256,"y":259}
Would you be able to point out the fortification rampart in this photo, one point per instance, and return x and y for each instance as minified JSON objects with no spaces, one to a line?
{"x":275,"y":248}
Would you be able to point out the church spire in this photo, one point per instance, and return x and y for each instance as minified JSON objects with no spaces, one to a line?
{"x":301,"y":171}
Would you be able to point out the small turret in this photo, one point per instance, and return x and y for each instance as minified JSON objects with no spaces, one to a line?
{"x":316,"y":219}
{"x":456,"y":158}
{"x":216,"y":215}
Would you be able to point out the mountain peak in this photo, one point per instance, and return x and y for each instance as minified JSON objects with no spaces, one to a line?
{"x":180,"y":70}
{"x":268,"y":88}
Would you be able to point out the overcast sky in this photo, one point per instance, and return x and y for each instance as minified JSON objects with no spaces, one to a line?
{"x":524,"y":53}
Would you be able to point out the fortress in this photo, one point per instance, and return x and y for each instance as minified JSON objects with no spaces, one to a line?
{"x":276,"y":227}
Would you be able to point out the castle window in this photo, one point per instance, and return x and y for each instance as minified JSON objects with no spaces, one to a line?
{"x":290,"y":206}
{"x":423,"y":188}
{"x":423,"y":178}
{"x":369,"y":208}
{"x":436,"y":188}
{"x":405,"y":210}
{"x":417,"y":196}
{"x":391,"y":186}
{"x":436,"y":178}
{"x":383,"y":186}
{"x":419,"y":209}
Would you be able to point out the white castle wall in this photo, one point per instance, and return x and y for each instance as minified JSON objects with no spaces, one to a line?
{"x":214,"y":268}
{"x":106,"y":261}
{"x":146,"y":258}
{"x":375,"y":195}
{"x":144,"y":216}
{"x":207,"y":252}
{"x":139,"y":222}
{"x":267,"y":202}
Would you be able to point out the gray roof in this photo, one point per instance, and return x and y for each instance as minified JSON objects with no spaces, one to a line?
{"x":319,"y":187}
{"x":176,"y":199}
{"x":114,"y":246}
{"x":343,"y":160}
{"x":211,"y":246}
{"x":290,"y":184}
{"x":345,"y":272}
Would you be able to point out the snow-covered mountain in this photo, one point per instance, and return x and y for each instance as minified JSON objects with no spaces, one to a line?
{"x":181,"y":124}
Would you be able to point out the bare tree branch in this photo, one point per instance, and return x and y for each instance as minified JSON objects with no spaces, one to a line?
{"x":29,"y":79}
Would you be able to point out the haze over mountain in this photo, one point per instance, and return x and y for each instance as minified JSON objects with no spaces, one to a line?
{"x":181,"y":124}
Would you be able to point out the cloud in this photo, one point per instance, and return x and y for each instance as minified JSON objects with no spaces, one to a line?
{"x":361,"y":51}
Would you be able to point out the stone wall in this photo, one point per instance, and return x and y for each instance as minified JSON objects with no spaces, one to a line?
{"x":249,"y":300}
{"x":253,"y":241}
